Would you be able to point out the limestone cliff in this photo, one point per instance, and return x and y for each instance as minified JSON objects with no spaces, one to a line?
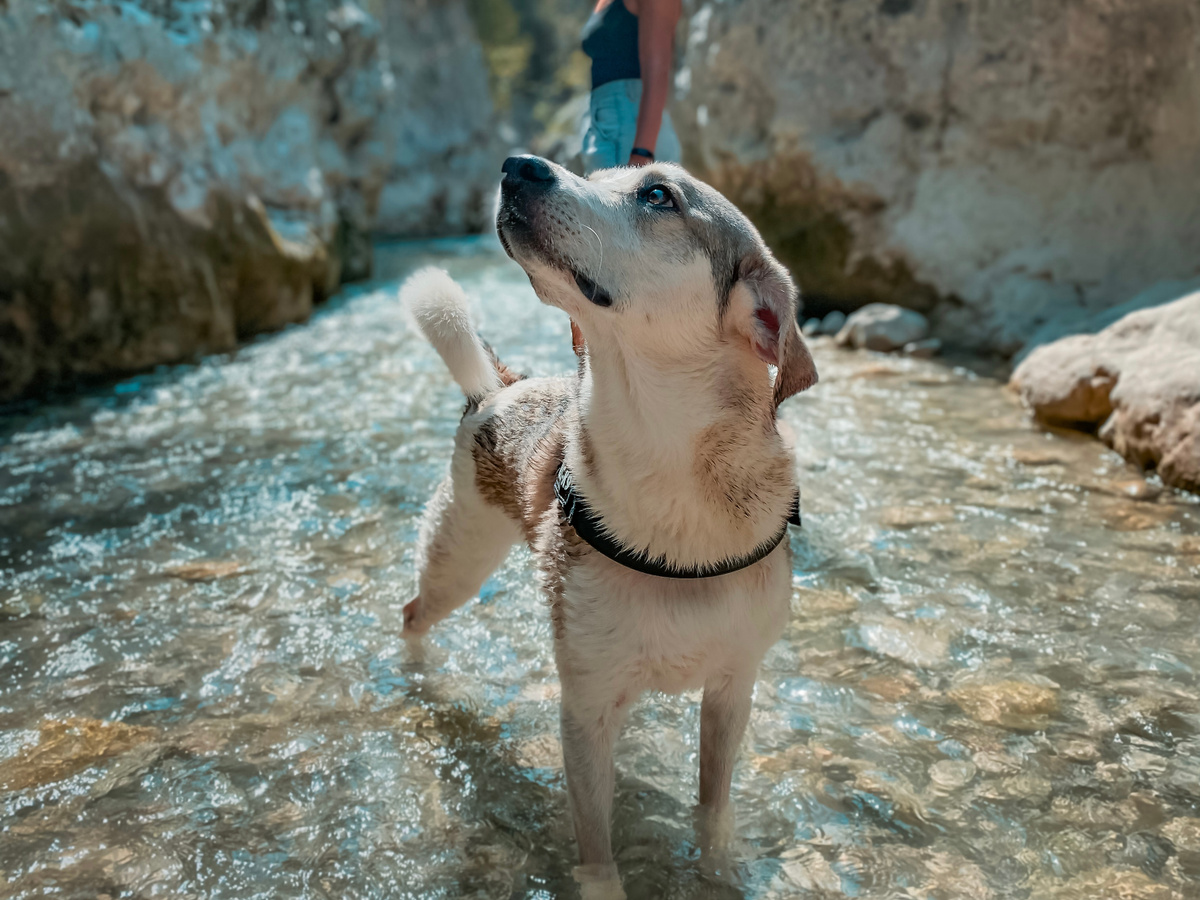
{"x":176,"y":176}
{"x":1003,"y":166}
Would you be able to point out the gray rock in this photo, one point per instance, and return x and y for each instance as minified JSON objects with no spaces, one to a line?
{"x":176,"y":177}
{"x":926,"y":349}
{"x":435,"y":142}
{"x":1138,"y":379}
{"x":905,"y":152}
{"x":811,"y":328}
{"x":882,"y":326}
{"x":833,"y":322}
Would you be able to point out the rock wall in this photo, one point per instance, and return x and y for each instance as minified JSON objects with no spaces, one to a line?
{"x":1008,"y":167}
{"x":436,"y":138}
{"x":176,"y":176}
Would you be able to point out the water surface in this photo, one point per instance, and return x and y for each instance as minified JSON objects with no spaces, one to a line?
{"x":988,"y":688}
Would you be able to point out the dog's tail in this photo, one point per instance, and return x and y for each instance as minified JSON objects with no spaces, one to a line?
{"x":440,"y":307}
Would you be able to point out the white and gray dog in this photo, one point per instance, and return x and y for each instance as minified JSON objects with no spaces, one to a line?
{"x":653,"y":486}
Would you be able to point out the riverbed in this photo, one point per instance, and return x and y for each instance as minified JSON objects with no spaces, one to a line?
{"x":988,"y":688}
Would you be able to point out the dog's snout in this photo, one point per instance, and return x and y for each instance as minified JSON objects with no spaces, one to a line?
{"x":531,"y":169}
{"x":528,"y":185}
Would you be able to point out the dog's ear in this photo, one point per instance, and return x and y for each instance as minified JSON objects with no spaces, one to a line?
{"x":767,"y":299}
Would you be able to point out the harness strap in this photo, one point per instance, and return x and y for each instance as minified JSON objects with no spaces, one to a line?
{"x":590,"y":529}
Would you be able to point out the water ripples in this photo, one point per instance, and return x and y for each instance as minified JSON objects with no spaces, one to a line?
{"x":988,"y":688}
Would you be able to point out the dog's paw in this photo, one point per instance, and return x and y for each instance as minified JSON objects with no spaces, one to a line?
{"x":714,"y":831}
{"x":598,"y":881}
{"x":414,"y":620}
{"x":602,"y":890}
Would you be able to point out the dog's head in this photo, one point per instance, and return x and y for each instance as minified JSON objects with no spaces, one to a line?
{"x":654,"y":260}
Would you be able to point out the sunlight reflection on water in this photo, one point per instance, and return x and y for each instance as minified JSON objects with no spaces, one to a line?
{"x":988,"y":688}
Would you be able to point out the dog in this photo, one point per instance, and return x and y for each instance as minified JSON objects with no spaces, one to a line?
{"x":653,"y":486}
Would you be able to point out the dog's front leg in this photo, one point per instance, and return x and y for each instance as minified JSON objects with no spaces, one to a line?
{"x":724,"y":713}
{"x":588,"y":735}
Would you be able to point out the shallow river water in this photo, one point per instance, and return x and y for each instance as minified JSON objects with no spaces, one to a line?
{"x":989,"y":687}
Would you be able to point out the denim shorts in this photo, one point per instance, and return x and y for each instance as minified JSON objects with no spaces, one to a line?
{"x":612,"y":126}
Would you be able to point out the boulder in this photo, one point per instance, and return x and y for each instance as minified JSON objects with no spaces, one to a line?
{"x":882,"y":326}
{"x":833,"y":322}
{"x":997,"y":166}
{"x":175,"y":177}
{"x":1137,"y":381}
{"x":923,"y":349}
{"x":830,"y":325}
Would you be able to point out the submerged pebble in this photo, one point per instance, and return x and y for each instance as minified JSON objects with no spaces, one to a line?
{"x":948,"y":775}
{"x":1010,"y":704}
{"x":66,"y":747}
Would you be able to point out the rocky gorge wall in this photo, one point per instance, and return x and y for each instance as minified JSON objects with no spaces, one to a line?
{"x":1007,"y":167}
{"x":176,"y":176}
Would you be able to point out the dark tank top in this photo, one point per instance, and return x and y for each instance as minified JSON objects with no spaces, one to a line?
{"x":610,"y":38}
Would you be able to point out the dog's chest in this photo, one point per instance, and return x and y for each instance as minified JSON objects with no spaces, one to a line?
{"x":672,"y":636}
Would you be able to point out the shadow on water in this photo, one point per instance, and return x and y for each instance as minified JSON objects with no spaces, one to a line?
{"x":526,"y":808}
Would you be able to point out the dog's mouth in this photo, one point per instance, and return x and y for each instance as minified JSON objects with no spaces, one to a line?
{"x":517,"y":232}
{"x":504,"y":242}
{"x":591,"y":290}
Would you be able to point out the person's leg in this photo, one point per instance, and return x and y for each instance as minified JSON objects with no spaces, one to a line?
{"x":598,"y":151}
{"x":612,"y":127}
{"x":629,"y":101}
{"x":668,"y":149}
{"x":601,"y":141}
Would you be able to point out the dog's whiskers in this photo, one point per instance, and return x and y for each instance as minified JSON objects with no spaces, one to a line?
{"x":600,"y":241}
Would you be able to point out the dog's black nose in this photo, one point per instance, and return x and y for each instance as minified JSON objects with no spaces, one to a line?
{"x":527,"y":168}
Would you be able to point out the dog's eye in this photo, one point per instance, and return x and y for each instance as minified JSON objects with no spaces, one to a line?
{"x":658,"y":195}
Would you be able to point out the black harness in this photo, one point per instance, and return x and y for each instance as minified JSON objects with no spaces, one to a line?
{"x":589,"y":528}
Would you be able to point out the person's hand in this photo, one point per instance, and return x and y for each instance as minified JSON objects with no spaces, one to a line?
{"x":638,"y":160}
